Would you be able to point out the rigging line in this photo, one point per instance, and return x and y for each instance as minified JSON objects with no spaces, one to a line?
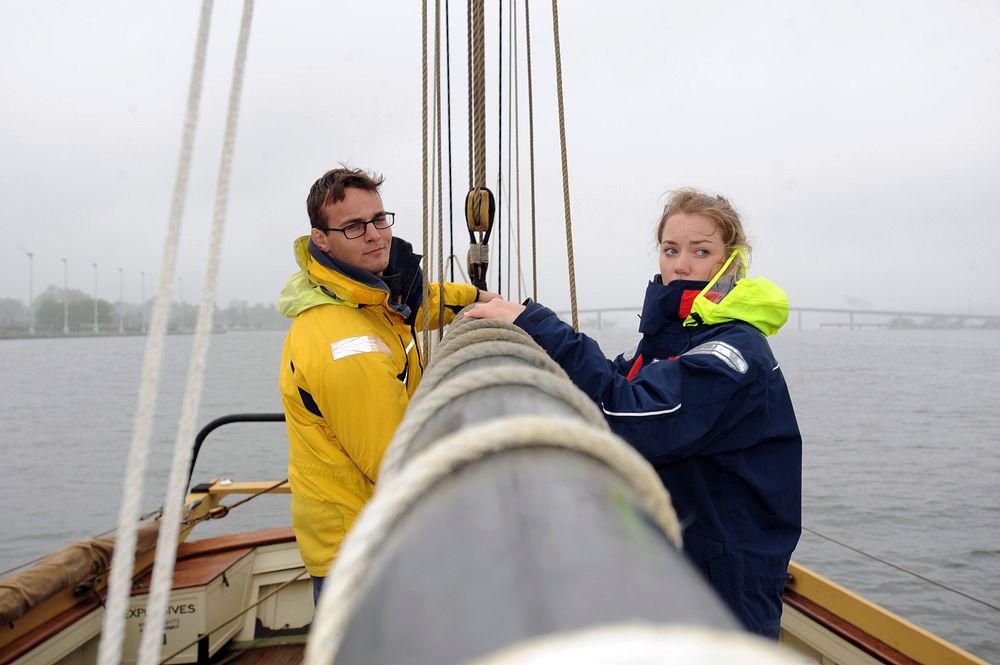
{"x":905,"y":570}
{"x":510,"y":148}
{"x":479,"y":92}
{"x":517,"y":147}
{"x":163,"y":568}
{"x":468,"y":53}
{"x":565,"y":166}
{"x":440,"y":188}
{"x":451,"y":196}
{"x":423,"y":147}
{"x":499,"y":213}
{"x":123,"y":557}
{"x":531,"y":153}
{"x":231,"y":507}
{"x":229,"y":620}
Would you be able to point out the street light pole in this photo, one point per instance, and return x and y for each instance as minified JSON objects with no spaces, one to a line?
{"x":65,"y":297}
{"x":31,"y":293}
{"x":96,"y":329}
{"x":181,"y":280}
{"x":142,"y":303}
{"x":121,"y":301}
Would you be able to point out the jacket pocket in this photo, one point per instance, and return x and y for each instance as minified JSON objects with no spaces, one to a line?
{"x":718,"y":569}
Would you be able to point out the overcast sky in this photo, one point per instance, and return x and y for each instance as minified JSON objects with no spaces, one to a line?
{"x":859,"y":139}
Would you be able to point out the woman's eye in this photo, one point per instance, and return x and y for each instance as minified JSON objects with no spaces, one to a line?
{"x":702,"y":252}
{"x":670,"y":251}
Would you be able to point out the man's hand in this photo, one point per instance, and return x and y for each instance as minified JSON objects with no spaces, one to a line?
{"x":496,"y":308}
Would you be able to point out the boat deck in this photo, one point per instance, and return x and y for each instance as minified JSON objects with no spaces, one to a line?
{"x":284,"y":654}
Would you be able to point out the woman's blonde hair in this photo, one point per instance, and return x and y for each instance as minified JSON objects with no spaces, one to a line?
{"x":717,"y":208}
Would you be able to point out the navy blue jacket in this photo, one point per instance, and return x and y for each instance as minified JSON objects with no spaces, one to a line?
{"x":709,"y":408}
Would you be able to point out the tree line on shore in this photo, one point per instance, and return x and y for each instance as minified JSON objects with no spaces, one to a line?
{"x":75,"y":310}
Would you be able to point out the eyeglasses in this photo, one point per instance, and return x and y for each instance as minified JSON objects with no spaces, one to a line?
{"x":383,"y":220}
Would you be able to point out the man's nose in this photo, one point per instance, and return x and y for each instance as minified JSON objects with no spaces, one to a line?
{"x":371,"y":233}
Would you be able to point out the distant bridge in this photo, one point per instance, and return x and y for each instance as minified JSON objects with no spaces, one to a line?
{"x":856,"y":318}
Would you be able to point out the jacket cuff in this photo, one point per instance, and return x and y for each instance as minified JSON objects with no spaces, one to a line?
{"x":532,"y":316}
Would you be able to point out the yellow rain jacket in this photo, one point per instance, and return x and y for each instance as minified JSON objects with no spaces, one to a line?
{"x":349,"y":365}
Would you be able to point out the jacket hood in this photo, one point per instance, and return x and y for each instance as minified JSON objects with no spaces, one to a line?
{"x":754,"y":300}
{"x":732,"y":296}
{"x":323,"y":280}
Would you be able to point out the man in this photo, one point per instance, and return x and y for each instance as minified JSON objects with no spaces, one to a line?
{"x":350,"y":360}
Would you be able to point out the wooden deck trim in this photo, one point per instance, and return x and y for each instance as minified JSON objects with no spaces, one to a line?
{"x":896,"y":633}
{"x":847,"y":631}
{"x":235,"y":541}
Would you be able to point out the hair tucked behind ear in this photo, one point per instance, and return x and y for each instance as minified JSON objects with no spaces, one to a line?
{"x":692,"y":201}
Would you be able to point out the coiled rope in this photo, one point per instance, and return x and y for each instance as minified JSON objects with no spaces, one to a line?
{"x":123,"y":558}
{"x":395,"y":458}
{"x":521,"y":353}
{"x":347,"y":581}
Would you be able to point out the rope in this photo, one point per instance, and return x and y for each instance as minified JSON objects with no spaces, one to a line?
{"x":479,"y":93}
{"x":419,"y":413}
{"x":520,"y":353}
{"x":499,"y":213}
{"x":451,"y":196}
{"x":229,"y":508}
{"x":469,"y":78}
{"x":440,"y":185}
{"x":510,"y":134}
{"x":644,"y":643}
{"x":163,"y":569}
{"x":903,"y":569}
{"x":473,"y":335}
{"x":123,"y":558}
{"x":565,"y":167}
{"x":347,"y":581}
{"x":531,"y":152}
{"x":517,"y":148}
{"x":423,"y":146}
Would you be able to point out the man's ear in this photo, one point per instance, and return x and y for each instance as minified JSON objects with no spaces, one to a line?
{"x":319,"y":239}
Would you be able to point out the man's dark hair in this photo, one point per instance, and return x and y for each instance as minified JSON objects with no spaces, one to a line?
{"x":330,"y":189}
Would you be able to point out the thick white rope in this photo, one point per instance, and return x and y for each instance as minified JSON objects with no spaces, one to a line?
{"x":163,"y":569}
{"x":348,"y":581}
{"x":444,"y":367}
{"x":644,"y":644}
{"x":123,"y":559}
{"x":419,"y":413}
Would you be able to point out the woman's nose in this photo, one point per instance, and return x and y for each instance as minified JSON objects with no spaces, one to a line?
{"x":682,"y":265}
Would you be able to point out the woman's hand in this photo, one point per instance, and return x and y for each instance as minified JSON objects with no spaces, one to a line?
{"x":497,"y":308}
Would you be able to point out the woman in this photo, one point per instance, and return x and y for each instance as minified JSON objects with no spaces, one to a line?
{"x":703,"y":399}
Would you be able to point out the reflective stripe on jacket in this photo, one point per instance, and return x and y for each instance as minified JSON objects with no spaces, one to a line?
{"x":349,"y":365}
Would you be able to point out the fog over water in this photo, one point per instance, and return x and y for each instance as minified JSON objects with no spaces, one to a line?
{"x":900,"y":432}
{"x":859,"y":139}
